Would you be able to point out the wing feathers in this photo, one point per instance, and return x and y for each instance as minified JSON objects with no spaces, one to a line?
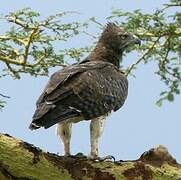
{"x":54,"y":116}
{"x":84,"y":90}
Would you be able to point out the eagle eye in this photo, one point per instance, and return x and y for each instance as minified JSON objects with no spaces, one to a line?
{"x":123,"y":36}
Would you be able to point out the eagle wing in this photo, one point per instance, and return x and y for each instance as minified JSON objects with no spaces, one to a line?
{"x":63,"y":76}
{"x":84,"y":91}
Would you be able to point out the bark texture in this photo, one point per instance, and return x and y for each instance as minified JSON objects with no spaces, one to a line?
{"x":23,"y":161}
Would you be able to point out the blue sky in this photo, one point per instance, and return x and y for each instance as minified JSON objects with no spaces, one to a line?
{"x":136,"y":127}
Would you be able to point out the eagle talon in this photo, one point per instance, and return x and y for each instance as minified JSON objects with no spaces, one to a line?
{"x":79,"y":155}
{"x":107,"y":158}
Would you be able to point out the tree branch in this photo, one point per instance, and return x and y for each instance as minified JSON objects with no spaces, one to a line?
{"x":7,"y":37}
{"x":171,"y":5}
{"x":16,"y":21}
{"x":4,"y":96}
{"x":27,"y":46}
{"x":128,"y":71}
{"x":94,"y":37}
{"x":11,"y":61}
{"x":21,"y":160}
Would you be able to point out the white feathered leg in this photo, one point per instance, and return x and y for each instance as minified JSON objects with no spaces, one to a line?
{"x":64,"y":131}
{"x":96,"y":130}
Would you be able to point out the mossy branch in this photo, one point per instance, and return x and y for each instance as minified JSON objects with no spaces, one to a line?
{"x":20,"y":160}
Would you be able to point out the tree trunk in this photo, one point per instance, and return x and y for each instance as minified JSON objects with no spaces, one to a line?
{"x":21,"y":160}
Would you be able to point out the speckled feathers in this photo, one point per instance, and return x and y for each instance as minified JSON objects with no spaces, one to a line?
{"x":89,"y":89}
{"x":84,"y":90}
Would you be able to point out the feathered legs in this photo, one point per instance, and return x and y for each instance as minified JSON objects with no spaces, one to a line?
{"x":96,"y":130}
{"x":64,"y":131}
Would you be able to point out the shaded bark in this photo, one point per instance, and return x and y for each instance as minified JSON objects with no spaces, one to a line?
{"x":21,"y":160}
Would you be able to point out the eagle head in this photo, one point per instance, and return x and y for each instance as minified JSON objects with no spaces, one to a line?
{"x":117,"y":38}
{"x":111,"y":44}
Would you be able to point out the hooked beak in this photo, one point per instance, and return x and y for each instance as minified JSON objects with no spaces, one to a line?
{"x":136,"y":40}
{"x":132,"y":40}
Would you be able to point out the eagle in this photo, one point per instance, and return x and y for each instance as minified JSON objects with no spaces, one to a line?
{"x":89,"y":90}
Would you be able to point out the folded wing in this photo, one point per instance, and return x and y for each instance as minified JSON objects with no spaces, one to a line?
{"x":81,"y":91}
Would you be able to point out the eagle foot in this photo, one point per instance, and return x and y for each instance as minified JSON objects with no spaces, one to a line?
{"x":108,"y":158}
{"x":80,"y":155}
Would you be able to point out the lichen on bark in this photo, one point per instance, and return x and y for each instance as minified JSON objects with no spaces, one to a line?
{"x":21,"y":160}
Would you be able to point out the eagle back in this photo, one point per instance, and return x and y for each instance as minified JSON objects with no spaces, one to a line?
{"x":61,"y":77}
{"x":101,"y":90}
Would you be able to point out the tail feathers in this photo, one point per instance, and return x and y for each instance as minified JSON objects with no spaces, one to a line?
{"x":33,"y":126}
{"x":54,"y":116}
{"x":42,"y":109}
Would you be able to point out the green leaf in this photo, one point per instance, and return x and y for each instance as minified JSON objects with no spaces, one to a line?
{"x":159,"y":102}
{"x":170,"y":97}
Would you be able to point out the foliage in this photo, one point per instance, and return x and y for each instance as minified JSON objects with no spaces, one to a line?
{"x":160,"y":33}
{"x":30,"y":45}
{"x":2,"y":104}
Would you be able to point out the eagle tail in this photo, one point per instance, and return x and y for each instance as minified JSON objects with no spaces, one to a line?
{"x":53,"y":116}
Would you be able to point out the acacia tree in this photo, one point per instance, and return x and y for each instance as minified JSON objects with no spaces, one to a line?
{"x":160,"y":33}
{"x":29,"y":46}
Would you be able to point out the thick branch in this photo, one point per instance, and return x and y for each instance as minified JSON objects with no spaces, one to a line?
{"x":11,"y":61}
{"x":20,"y":160}
{"x":6,"y":37}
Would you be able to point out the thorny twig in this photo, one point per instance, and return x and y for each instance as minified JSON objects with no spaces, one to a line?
{"x":171,"y":5}
{"x":94,"y":37}
{"x":34,"y":31}
{"x":128,"y":71}
{"x":13,"y":71}
{"x":4,"y":96}
{"x":164,"y":61}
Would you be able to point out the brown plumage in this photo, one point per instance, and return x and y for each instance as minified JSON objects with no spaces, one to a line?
{"x":90,"y":89}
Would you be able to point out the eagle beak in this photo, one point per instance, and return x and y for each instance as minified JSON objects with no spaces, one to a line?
{"x":136,"y":40}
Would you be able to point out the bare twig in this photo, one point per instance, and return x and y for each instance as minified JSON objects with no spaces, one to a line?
{"x":164,"y":61}
{"x":35,"y":73}
{"x":34,"y":31}
{"x":16,"y":21}
{"x":171,"y":5}
{"x":4,"y":96}
{"x":89,"y":34}
{"x":167,"y":43}
{"x":93,"y":19}
{"x":13,"y":71}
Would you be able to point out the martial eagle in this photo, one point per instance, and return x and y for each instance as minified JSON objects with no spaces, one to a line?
{"x":88,"y":90}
